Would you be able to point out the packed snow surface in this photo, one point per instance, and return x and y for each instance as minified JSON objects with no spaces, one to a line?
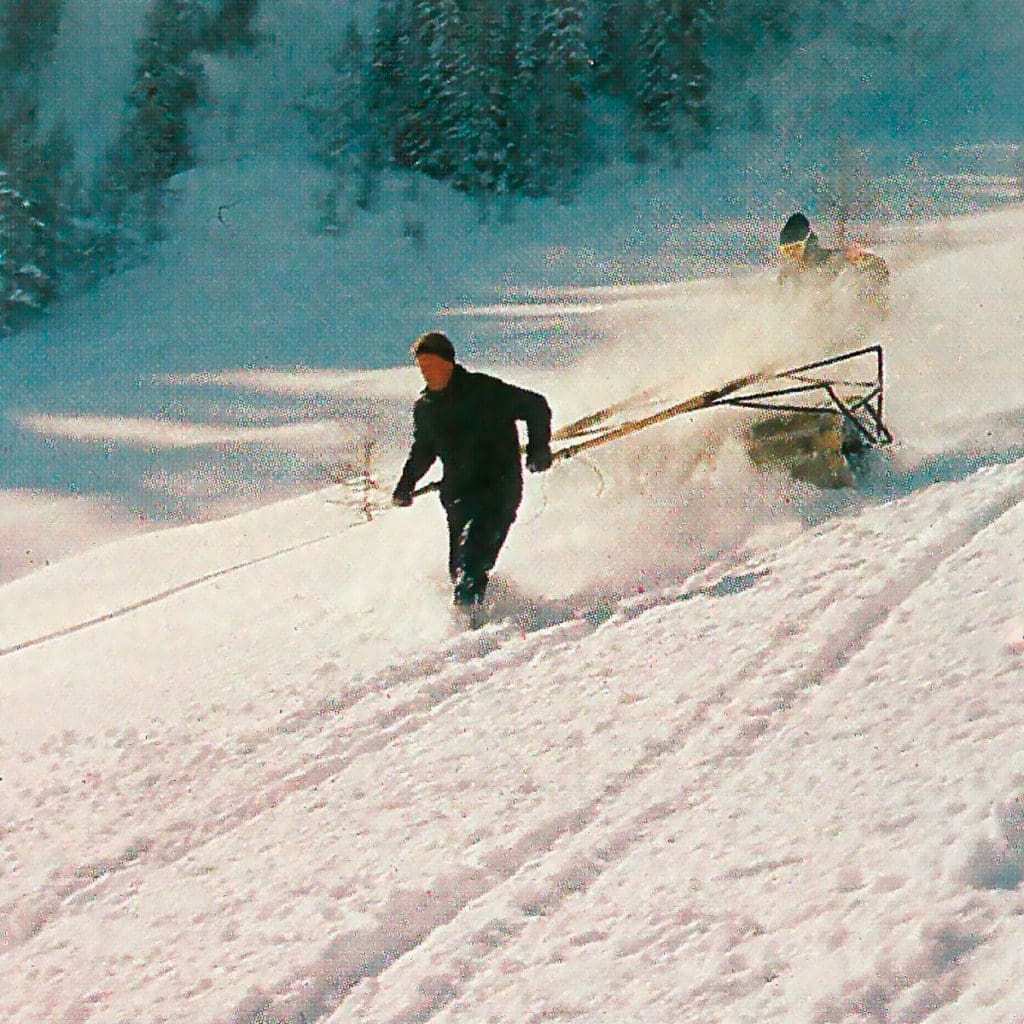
{"x":729,"y":749}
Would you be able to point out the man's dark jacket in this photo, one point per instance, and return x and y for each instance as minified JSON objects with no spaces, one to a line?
{"x":471,"y":426}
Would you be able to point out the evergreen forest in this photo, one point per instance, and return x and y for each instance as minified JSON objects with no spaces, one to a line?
{"x":493,"y":97}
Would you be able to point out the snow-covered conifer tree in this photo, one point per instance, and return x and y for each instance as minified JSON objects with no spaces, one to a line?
{"x":436,"y":106}
{"x":553,"y":68}
{"x":50,"y":181}
{"x":230,"y":28}
{"x":673,"y":75}
{"x":562,"y":82}
{"x":391,"y":77}
{"x":614,"y":42}
{"x":475,"y":126}
{"x":24,"y":282}
{"x":41,"y":193}
{"x":28,"y":34}
{"x":485,"y":143}
{"x":154,"y":143}
{"x":346,"y":142}
{"x":38,"y":185}
{"x":166,"y":88}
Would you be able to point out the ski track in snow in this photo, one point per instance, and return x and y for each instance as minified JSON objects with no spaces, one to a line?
{"x":557,"y":855}
{"x":162,"y":595}
{"x":181,"y":838}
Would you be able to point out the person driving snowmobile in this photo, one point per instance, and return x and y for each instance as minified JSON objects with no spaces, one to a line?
{"x":805,"y":260}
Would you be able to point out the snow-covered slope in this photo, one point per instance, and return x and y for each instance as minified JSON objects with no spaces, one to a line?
{"x":728,"y":750}
{"x":788,"y":788}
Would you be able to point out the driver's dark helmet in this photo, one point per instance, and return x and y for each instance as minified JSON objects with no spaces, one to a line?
{"x":796,"y":236}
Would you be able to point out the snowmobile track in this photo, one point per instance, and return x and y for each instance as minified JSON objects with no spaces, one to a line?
{"x":875,"y":613}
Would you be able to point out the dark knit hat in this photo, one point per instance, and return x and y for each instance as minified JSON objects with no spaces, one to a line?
{"x":434,"y":343}
{"x":797,"y":229}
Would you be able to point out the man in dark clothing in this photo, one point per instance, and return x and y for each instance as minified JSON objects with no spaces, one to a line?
{"x":468,"y":420}
{"x":804,"y":259}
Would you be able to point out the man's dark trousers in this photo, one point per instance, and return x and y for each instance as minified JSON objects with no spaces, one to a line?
{"x":478,"y":523}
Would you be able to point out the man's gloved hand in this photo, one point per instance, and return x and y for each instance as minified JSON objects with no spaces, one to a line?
{"x":402,"y":497}
{"x":539,"y":459}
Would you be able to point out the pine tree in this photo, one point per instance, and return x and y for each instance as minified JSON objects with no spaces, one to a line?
{"x":24,"y":283}
{"x":167,"y":87}
{"x":154,"y":143}
{"x":615,"y":33}
{"x":231,"y":27}
{"x":41,"y":192}
{"x":435,"y":106}
{"x":673,"y":74}
{"x":418,"y":81}
{"x":390,"y":77}
{"x":18,"y":123}
{"x":28,"y":34}
{"x":58,"y":192}
{"x":506,"y":100}
{"x":346,"y":143}
{"x":487,"y":133}
{"x":37,"y":180}
{"x":554,"y":66}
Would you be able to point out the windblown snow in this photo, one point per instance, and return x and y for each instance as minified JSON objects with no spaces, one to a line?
{"x":729,"y":749}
